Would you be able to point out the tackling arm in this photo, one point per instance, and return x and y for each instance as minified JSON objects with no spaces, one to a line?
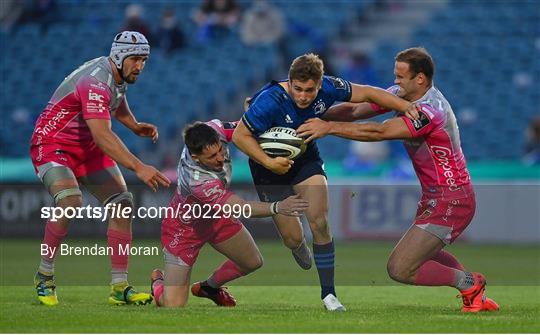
{"x":292,"y":206}
{"x":348,"y":112}
{"x":365,"y":93}
{"x":392,"y":129}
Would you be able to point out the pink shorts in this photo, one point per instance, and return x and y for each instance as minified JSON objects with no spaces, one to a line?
{"x":82,"y":161}
{"x":445,"y":218}
{"x":185,"y":240}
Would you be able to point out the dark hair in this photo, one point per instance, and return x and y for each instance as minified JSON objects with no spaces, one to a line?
{"x":306,"y":67}
{"x":419,"y":61}
{"x":198,"y":136}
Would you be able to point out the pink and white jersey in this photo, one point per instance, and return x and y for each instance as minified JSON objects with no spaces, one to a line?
{"x":198,"y":184}
{"x":89,"y":92}
{"x":435,"y":148}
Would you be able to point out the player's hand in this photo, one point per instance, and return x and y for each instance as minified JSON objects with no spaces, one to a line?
{"x":279,"y":165}
{"x":313,"y":128}
{"x":152,"y":177}
{"x":146,"y":130}
{"x":412,"y":111}
{"x":292,"y":206}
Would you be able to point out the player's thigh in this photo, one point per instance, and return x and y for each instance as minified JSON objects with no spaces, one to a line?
{"x":315,"y":190}
{"x":105,"y":183}
{"x":241,"y":249}
{"x":414,"y":248}
{"x":176,"y":281}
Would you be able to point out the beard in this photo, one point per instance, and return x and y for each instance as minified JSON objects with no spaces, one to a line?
{"x":130,"y":79}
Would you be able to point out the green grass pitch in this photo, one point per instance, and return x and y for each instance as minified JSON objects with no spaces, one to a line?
{"x":280,"y":297}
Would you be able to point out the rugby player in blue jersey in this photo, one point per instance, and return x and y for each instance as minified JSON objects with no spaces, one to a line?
{"x":306,"y":94}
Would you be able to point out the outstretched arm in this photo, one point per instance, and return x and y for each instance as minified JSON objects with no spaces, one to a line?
{"x":348,"y":112}
{"x":365,"y":93}
{"x":292,"y":206}
{"x":391,"y":129}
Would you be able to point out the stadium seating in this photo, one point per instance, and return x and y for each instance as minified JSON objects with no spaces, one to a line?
{"x":478,"y":51}
{"x":194,"y":83}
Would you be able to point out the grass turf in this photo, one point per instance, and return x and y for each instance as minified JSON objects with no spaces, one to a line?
{"x":280,"y":297}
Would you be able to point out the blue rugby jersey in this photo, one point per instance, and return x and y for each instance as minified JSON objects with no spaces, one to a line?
{"x":272,"y":106}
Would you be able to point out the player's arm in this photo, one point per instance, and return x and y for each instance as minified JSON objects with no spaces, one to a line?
{"x":365,"y":93}
{"x":392,"y":129}
{"x":292,"y":206}
{"x":244,"y":140}
{"x":113,"y":147}
{"x":348,"y":112}
{"x":125,"y":116}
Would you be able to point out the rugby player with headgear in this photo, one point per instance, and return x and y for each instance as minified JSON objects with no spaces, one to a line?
{"x":73,"y":144}
{"x":206,"y":214}
{"x":306,"y":94}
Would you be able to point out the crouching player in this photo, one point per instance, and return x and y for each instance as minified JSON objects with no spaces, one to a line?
{"x":204,"y":176}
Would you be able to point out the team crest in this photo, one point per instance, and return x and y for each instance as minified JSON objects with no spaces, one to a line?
{"x":338,"y":82}
{"x":320,"y":107}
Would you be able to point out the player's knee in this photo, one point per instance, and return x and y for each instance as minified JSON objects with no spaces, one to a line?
{"x":319,"y":225}
{"x":174,"y":301}
{"x":397,"y":272}
{"x":125,"y":199}
{"x":255,"y":263}
{"x":74,"y":201}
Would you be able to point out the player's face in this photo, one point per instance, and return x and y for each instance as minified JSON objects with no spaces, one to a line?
{"x":304,"y":92}
{"x":132,"y":67}
{"x":213,"y":157}
{"x":406,"y":80}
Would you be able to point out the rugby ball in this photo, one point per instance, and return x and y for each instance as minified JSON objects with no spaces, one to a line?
{"x":282,"y":142}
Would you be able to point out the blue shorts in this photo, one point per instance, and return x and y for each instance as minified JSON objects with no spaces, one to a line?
{"x":274,"y":187}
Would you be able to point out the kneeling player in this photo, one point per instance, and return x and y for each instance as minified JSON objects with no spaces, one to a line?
{"x":204,"y":175}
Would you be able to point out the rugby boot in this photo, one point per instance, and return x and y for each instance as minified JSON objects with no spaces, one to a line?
{"x":332,"y":304}
{"x":46,"y":289}
{"x":220,"y":297}
{"x":124,"y":294}
{"x":302,"y":256}
{"x":474,"y":298}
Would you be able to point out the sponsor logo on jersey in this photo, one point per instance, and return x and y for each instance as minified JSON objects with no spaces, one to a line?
{"x":288,"y":118}
{"x":94,"y":96}
{"x":99,"y":86}
{"x":92,"y":107}
{"x":52,"y":123}
{"x":442,"y":156}
{"x":214,"y":191}
{"x":423,"y":120}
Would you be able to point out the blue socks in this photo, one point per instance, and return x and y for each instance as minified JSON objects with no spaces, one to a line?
{"x":324,"y":260}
